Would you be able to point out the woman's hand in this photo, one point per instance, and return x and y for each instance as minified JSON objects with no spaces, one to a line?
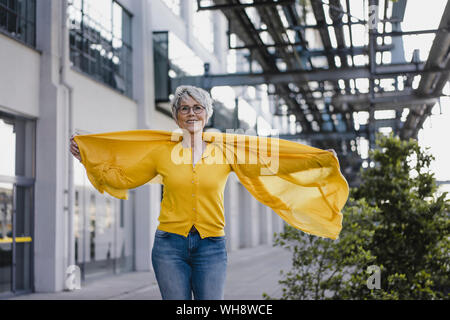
{"x":74,"y":148}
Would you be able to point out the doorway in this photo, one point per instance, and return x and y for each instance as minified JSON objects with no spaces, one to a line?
{"x":16,"y":204}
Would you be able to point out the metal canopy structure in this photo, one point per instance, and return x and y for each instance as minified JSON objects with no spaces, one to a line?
{"x":312,"y":55}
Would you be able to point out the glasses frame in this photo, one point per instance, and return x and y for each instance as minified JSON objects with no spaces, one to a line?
{"x":191,"y":108}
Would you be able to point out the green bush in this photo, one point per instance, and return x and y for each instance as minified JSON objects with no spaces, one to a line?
{"x":394,"y":220}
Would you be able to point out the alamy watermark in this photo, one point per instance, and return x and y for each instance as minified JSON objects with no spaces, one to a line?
{"x":374,"y":280}
{"x":73,"y":278}
{"x":373,"y":18}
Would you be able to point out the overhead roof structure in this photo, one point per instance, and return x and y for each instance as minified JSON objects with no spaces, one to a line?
{"x":315,"y":53}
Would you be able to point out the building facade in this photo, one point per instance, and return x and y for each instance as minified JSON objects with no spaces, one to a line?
{"x":88,"y":66}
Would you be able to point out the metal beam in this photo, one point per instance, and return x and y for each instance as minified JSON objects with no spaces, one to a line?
{"x":439,"y":56}
{"x":240,"y":79}
{"x":398,"y":12}
{"x":322,"y":136}
{"x":272,"y":19}
{"x":316,"y":26}
{"x":406,"y":33}
{"x":431,"y":84}
{"x":380,"y":123}
{"x":245,"y":30}
{"x":234,"y":6}
{"x":414,"y":121}
{"x":384,"y":101}
{"x":317,"y":53}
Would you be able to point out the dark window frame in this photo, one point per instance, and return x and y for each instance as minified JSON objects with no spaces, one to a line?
{"x":23,"y":23}
{"x":91,"y":62}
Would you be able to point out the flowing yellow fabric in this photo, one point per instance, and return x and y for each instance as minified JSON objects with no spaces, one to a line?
{"x":302,"y":184}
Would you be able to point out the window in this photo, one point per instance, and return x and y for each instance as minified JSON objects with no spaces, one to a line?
{"x":17,"y":136}
{"x":161,"y":65}
{"x":100,"y":42}
{"x":172,"y":57}
{"x":18,"y":19}
{"x":103,"y":229}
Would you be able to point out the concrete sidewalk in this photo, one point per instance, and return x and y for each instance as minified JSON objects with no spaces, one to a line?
{"x":250,"y":272}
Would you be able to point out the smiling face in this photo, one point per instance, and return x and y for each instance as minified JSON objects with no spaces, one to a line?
{"x":191,"y":121}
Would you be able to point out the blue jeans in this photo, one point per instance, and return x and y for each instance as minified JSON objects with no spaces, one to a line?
{"x":189,"y":265}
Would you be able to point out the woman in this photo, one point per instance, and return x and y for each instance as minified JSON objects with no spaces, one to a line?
{"x":186,"y":265}
{"x":189,"y":253}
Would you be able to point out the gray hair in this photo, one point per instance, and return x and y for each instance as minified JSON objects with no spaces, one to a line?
{"x":198,"y":94}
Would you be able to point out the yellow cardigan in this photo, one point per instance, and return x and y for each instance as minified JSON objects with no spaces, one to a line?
{"x":302,"y":184}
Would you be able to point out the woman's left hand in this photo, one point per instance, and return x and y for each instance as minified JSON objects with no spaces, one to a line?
{"x":74,"y":148}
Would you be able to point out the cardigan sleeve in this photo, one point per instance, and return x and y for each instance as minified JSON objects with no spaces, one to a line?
{"x":302,"y":184}
{"x":118,"y":161}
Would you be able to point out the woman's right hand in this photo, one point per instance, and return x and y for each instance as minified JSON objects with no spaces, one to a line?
{"x":74,"y":148}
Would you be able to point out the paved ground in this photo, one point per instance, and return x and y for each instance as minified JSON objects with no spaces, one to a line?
{"x":250,"y":273}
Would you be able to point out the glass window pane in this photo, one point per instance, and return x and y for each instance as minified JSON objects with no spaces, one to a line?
{"x":5,"y":211}
{"x":161,"y":65}
{"x":6,"y":197}
{"x":23,"y":212}
{"x":5,"y":266}
{"x":103,"y":229}
{"x":117,"y":21}
{"x":100,"y":38}
{"x":92,"y":215}
{"x":76,"y":226}
{"x":126,"y":28}
{"x":183,"y":58}
{"x":23,"y":266}
{"x":23,"y":237}
{"x":8,"y":147}
{"x":124,"y":247}
{"x":18,"y":19}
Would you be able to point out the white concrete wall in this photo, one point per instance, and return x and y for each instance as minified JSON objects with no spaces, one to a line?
{"x":51,"y":156}
{"x":19,"y":78}
{"x":232,"y":212}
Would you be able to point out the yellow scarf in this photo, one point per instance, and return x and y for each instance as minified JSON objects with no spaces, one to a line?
{"x":302,"y":184}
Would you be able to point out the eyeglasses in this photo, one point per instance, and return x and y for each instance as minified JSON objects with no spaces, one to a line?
{"x":186,"y":109}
